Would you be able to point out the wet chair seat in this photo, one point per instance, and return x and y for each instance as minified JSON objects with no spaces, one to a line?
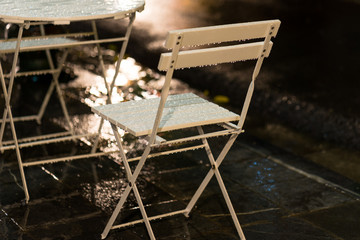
{"x":149,"y":117}
{"x":180,"y":111}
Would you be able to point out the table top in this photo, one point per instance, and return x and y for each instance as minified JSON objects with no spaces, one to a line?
{"x":65,"y":11}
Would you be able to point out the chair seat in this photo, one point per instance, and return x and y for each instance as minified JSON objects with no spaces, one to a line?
{"x":36,"y":44}
{"x":181,"y":111}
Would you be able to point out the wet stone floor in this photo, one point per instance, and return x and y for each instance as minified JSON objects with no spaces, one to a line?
{"x":273,"y":197}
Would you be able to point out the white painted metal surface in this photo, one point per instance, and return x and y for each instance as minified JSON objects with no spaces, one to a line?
{"x":207,"y":57}
{"x":66,"y":11}
{"x":181,"y":111}
{"x":177,"y":112}
{"x":224,"y":33}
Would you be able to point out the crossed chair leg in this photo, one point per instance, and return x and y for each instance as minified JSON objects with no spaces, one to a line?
{"x":8,"y":117}
{"x":132,"y":186}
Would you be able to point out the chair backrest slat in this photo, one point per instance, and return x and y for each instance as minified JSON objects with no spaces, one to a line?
{"x":223,"y":33}
{"x":213,"y":56}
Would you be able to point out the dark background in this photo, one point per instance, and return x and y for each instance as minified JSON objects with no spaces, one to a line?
{"x":310,"y":82}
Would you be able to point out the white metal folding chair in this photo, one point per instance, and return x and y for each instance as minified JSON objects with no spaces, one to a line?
{"x":46,"y":42}
{"x":152,"y":116}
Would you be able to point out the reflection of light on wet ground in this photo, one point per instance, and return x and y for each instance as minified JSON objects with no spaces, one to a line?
{"x":12,"y":220}
{"x":50,"y":173}
{"x":104,"y":194}
{"x":130,"y":72}
{"x":264,"y":176}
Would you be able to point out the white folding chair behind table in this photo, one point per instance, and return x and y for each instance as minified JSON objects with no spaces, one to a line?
{"x":45,"y":43}
{"x":176,"y":112}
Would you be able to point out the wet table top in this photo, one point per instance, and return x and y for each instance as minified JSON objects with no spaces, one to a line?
{"x":63,"y":11}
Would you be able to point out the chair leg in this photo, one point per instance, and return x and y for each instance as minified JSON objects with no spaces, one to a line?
{"x":215,"y":165}
{"x":108,"y":89}
{"x":18,"y":156}
{"x":7,"y":111}
{"x":2,"y":128}
{"x":45,"y":102}
{"x":210,"y":174}
{"x":97,"y":139}
{"x":55,"y":83}
{"x":131,"y":186}
{"x":116,"y":212}
{"x":143,"y":212}
{"x":8,"y":92}
{"x":122,"y":50}
{"x":229,"y":204}
{"x":101,"y":60}
{"x":117,"y":68}
{"x":63,"y":104}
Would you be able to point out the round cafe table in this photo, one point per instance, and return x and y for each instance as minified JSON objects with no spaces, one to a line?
{"x":66,"y":11}
{"x":40,"y":13}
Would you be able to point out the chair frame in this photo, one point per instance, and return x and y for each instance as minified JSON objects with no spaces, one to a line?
{"x":46,"y":43}
{"x":179,"y":59}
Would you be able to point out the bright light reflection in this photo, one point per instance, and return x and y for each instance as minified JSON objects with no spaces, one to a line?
{"x":129,"y":71}
{"x":105,"y":194}
{"x":120,"y":80}
{"x":133,"y":82}
{"x":50,"y":173}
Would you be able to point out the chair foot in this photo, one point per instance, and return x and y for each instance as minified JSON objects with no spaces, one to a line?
{"x":103,"y":236}
{"x":24,"y":202}
{"x":187,"y":214}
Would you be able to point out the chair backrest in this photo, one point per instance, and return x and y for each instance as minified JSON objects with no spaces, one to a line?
{"x":216,"y":54}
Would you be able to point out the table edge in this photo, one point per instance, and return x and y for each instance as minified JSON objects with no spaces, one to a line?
{"x":67,"y":20}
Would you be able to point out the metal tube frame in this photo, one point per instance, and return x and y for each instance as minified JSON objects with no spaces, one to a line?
{"x":7,"y":90}
{"x":233,"y":130}
{"x":7,"y":111}
{"x":117,"y":68}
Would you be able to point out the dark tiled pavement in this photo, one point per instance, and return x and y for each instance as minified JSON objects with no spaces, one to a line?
{"x":275,"y":194}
